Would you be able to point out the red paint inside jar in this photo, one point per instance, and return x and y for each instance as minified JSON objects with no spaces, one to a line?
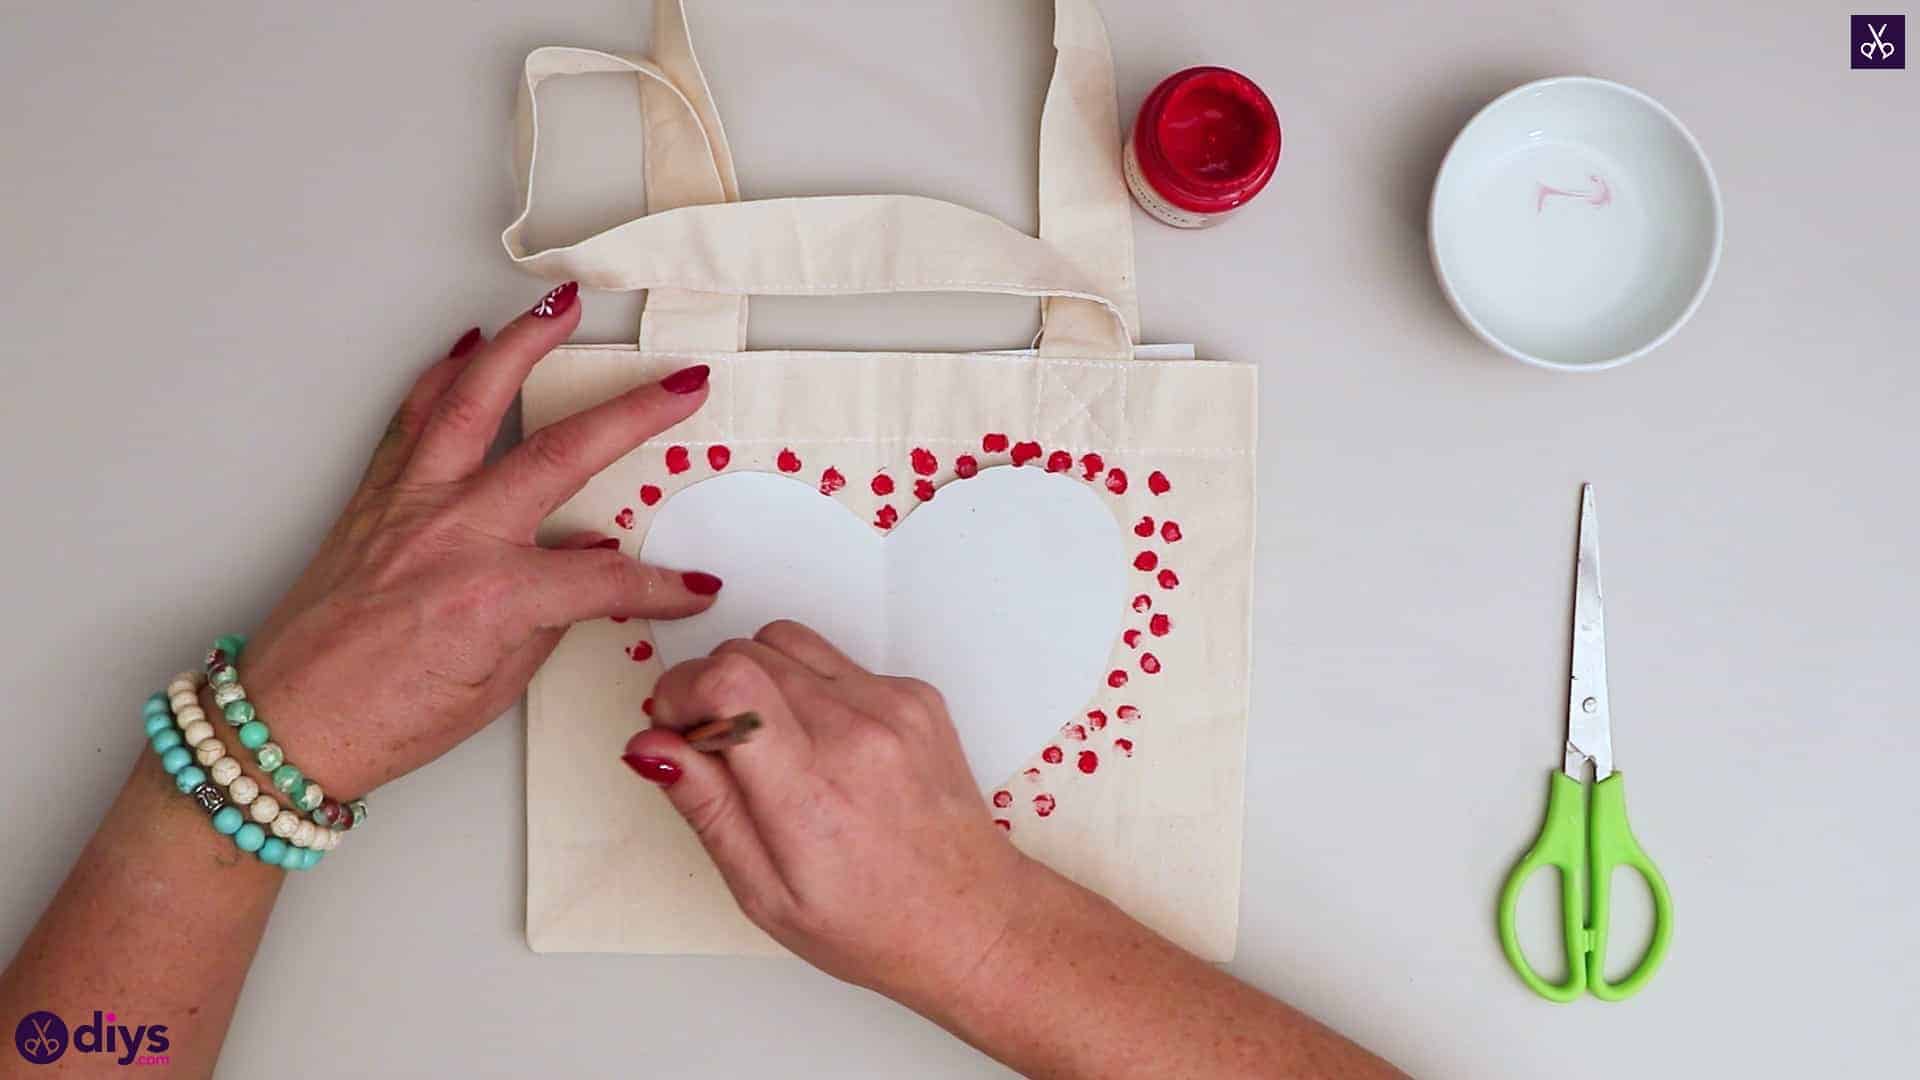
{"x":1207,"y":140}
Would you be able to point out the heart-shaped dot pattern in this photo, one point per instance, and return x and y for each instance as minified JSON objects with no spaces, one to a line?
{"x":1109,"y":733}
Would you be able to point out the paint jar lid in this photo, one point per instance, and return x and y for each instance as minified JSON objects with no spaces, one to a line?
{"x":1207,"y":139}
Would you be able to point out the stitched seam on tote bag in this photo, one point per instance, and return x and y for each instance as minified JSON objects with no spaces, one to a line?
{"x":989,"y":357}
{"x":1084,"y":408}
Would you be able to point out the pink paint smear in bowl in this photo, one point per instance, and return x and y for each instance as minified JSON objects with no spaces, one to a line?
{"x":1575,"y":224}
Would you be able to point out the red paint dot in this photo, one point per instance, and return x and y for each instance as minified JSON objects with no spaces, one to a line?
{"x":677,"y":460}
{"x":1143,"y":603}
{"x":965,"y":467}
{"x":624,"y":518}
{"x":1170,"y":532}
{"x":1003,"y":824}
{"x":1169,"y":580}
{"x":1116,"y":678}
{"x":1127,"y":713}
{"x":924,"y":462}
{"x":1043,"y":804}
{"x":1143,"y":528}
{"x":831,"y":481}
{"x":1052,"y":755}
{"x":1096,"y":720}
{"x":1091,"y":466}
{"x":923,"y":489}
{"x":1150,"y":663}
{"x":649,"y":495}
{"x":882,"y":484}
{"x":1088,"y":762}
{"x":616,"y":618}
{"x":887,"y":518}
{"x":1117,"y":481}
{"x":788,"y":461}
{"x":718,"y":456}
{"x":647,"y":706}
{"x":1125,"y":746}
{"x":1146,"y":560}
{"x":1032,"y":775}
{"x":994,"y":443}
{"x":1132,"y":638}
{"x":1159,"y":625}
{"x":1076,"y":732}
{"x":611,"y":543}
{"x":1157,"y":482}
{"x":641,"y":652}
{"x":1024,"y":452}
{"x":1059,"y":461}
{"x":1003,"y":799}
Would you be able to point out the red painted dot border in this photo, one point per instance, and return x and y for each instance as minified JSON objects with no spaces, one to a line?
{"x":1095,"y":738}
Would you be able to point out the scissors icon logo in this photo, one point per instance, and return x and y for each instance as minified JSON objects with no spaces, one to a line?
{"x":1883,"y":47}
{"x":1879,"y":41}
{"x":41,"y":1037}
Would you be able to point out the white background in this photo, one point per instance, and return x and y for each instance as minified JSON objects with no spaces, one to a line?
{"x":235,"y":231}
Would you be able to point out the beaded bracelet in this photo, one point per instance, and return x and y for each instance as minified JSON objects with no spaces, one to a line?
{"x":288,"y":825}
{"x":166,"y":715}
{"x":231,"y":698}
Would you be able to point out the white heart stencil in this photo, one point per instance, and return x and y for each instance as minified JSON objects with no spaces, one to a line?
{"x":1005,"y":592}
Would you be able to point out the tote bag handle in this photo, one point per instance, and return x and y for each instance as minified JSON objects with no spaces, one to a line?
{"x":707,"y":251}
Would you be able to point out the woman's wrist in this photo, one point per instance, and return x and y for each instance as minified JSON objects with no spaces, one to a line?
{"x":1000,"y":949}
{"x":304,"y":737}
{"x":171,"y":827}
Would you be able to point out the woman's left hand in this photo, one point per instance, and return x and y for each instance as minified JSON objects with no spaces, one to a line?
{"x":429,"y":605}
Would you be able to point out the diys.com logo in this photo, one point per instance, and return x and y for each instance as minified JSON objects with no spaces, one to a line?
{"x":44,"y":1038}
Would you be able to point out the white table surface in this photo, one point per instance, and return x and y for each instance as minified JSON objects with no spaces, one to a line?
{"x":236,"y":230}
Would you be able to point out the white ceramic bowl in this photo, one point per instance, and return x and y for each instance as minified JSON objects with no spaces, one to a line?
{"x":1575,"y":224}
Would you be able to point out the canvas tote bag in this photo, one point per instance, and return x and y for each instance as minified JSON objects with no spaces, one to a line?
{"x":1138,"y":792}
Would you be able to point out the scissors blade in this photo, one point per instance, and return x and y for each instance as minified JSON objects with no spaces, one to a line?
{"x":1589,"y":727}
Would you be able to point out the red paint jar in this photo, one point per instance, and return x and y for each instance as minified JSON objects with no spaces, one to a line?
{"x":1206,"y":141}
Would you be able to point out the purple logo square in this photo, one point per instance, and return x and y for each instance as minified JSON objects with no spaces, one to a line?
{"x":1879,"y":41}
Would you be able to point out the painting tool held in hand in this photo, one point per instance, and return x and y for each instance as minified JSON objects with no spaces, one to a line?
{"x":1585,"y":835}
{"x":727,"y":731}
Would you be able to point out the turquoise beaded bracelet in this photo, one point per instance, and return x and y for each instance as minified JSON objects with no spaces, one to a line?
{"x":160,"y":717}
{"x":231,"y":698}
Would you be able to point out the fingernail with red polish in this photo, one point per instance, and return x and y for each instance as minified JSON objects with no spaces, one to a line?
{"x":468,"y":342}
{"x":656,"y":769}
{"x":558,"y":301}
{"x":686,"y":380}
{"x":700,"y":584}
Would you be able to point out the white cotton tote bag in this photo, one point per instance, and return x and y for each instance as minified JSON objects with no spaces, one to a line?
{"x":1135,"y":790}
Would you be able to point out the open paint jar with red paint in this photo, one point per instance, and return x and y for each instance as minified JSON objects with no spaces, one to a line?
{"x":1205,"y":143}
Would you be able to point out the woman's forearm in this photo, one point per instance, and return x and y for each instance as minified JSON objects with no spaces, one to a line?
{"x":1076,"y":988}
{"x":428,"y":607}
{"x":156,"y":924}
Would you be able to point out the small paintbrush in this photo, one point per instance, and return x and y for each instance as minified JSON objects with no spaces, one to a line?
{"x":724,"y":732}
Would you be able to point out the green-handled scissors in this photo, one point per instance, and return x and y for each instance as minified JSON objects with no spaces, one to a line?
{"x":1587,"y":838}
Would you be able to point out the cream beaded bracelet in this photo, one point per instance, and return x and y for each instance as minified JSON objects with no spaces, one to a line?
{"x":175,"y":711}
{"x":242,"y":791}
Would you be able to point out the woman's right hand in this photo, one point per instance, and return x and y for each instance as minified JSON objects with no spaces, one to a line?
{"x":849,"y":827}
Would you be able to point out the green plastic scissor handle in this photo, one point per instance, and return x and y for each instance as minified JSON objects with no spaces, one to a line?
{"x":1585,"y":842}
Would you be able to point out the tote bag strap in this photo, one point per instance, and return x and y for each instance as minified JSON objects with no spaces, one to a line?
{"x":1085,"y":210}
{"x":840,"y":245}
{"x":685,"y":151}
{"x":1082,"y":268}
{"x":687,"y":164}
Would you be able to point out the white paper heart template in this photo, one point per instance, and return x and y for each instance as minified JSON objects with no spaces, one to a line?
{"x":1006,"y":592}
